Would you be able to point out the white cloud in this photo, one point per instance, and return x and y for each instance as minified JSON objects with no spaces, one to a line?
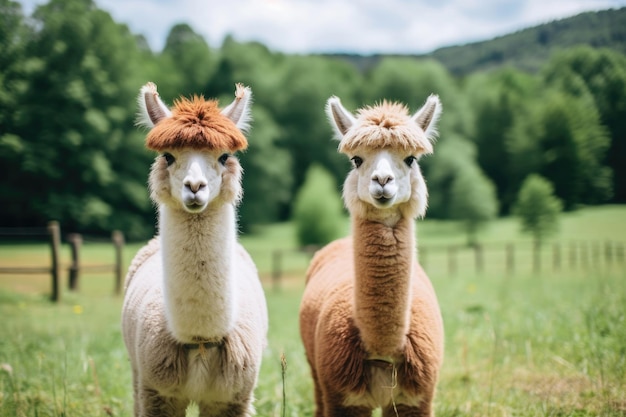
{"x":366,"y":26}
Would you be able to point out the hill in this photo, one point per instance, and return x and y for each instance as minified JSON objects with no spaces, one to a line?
{"x":526,"y":49}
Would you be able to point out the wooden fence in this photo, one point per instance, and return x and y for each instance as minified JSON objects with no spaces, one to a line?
{"x":526,"y":257}
{"x":52,"y":234}
{"x":508,"y":258}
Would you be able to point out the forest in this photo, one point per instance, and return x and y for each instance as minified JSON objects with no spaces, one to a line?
{"x":69,"y":149}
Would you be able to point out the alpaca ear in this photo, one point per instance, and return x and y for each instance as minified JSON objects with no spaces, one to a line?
{"x":340,"y":119}
{"x":239,"y":110}
{"x":151,"y":109}
{"x":428,"y":116}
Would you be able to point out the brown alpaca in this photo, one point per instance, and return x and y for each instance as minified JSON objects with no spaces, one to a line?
{"x":369,"y":317}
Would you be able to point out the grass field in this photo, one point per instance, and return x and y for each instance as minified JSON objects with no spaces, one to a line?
{"x":522,"y":344}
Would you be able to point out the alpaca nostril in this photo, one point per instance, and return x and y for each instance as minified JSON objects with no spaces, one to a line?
{"x":195,"y":187}
{"x":382,"y":179}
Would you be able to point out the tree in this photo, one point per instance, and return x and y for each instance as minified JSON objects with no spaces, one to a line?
{"x":318,"y":212}
{"x":266,"y":179}
{"x":603,"y":73}
{"x":190,"y":57}
{"x":15,"y":36}
{"x":453,"y":156}
{"x":79,"y":154}
{"x":250,"y":63}
{"x":410,"y":81}
{"x":306,"y":84}
{"x":562,"y":139}
{"x":537,"y":208}
{"x":498,"y":98}
{"x":473,"y":201}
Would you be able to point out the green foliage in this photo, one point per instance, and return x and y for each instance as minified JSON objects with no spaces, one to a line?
{"x":306,"y":84}
{"x":410,"y":81}
{"x":538,"y":208}
{"x":318,"y":209}
{"x":265,"y":183}
{"x":474,"y":201}
{"x":499,"y":99}
{"x":601,"y":73}
{"x":563,"y":140}
{"x":191,"y":59}
{"x":530,"y":48}
{"x":452,"y":156}
{"x":69,"y":150}
{"x":69,"y":75}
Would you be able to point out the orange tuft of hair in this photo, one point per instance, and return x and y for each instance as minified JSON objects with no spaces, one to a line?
{"x":198,"y":124}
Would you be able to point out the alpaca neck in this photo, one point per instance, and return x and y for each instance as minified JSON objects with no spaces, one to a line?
{"x":197,"y":251}
{"x":383,"y":261}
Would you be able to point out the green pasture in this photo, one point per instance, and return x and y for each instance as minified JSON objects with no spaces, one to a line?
{"x":520,"y":344}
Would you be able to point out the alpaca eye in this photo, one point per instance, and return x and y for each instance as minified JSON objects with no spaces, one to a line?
{"x":357,"y":161}
{"x":409,"y":160}
{"x":169,"y":158}
{"x":223,"y":158}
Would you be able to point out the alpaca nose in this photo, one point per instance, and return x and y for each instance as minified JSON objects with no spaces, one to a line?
{"x":195,"y":186}
{"x":383,"y":174}
{"x":195,"y":180}
{"x":382,"y":178}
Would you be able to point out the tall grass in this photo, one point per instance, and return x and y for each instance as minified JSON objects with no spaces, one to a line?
{"x":552,"y":344}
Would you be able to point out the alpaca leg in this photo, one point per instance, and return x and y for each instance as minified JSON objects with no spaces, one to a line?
{"x":137,"y":412}
{"x":319,"y":399}
{"x":424,"y":410}
{"x":333,"y":407}
{"x":227,"y":410}
{"x":155,"y":405}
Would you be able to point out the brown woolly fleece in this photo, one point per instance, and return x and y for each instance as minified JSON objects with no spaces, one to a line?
{"x":368,"y":298}
{"x":198,"y":124}
{"x":383,"y":126}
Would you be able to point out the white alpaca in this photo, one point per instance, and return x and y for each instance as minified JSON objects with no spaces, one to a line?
{"x":194,"y":318}
{"x":369,"y":317}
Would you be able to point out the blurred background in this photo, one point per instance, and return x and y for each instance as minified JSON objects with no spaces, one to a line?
{"x":548,"y":98}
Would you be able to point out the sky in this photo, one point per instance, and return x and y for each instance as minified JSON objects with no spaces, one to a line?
{"x":342,"y":26}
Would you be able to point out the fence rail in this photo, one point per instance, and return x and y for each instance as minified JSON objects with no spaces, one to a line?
{"x":52,"y":234}
{"x":511,"y":257}
{"x":508,"y":258}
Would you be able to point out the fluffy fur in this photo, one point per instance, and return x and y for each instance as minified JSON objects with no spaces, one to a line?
{"x":196,"y":124}
{"x":369,"y":317}
{"x":386,"y":125}
{"x":194,"y":318}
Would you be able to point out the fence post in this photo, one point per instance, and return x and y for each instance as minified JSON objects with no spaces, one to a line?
{"x":452,"y":260}
{"x":608,"y":252}
{"x":572,"y":255}
{"x":75,"y":240}
{"x":510,"y":258}
{"x":556,"y":257}
{"x":276,"y":268}
{"x":55,"y":242}
{"x":584,"y":255}
{"x":478,"y":258}
{"x":595,"y":254}
{"x":118,"y":242}
{"x":536,"y":256}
